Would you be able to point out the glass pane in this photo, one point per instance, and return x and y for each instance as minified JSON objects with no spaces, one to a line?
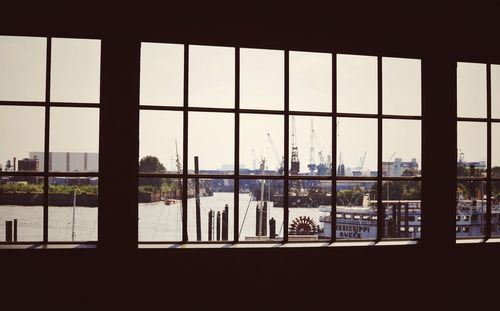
{"x":21,"y":204}
{"x":471,"y":145}
{"x":22,"y":68}
{"x":75,"y":70}
{"x":471,"y":90}
{"x":401,"y":148}
{"x":307,"y":200}
{"x":495,"y":208}
{"x":357,"y":84}
{"x":261,"y":202}
{"x":74,"y":140}
{"x":261,"y":144}
{"x":401,"y":83}
{"x":160,"y":139}
{"x":356,"y":147}
{"x":471,"y":208}
{"x":73,"y":208}
{"x":402,"y":203}
{"x":262,"y":79}
{"x":22,"y":134}
{"x":211,"y":139}
{"x":310,"y":143}
{"x":310,"y":81}
{"x":160,"y":209}
{"x":216,"y":205}
{"x":495,"y":149}
{"x":162,"y":74}
{"x":495,"y":91}
{"x":356,"y":211}
{"x":211,"y":76}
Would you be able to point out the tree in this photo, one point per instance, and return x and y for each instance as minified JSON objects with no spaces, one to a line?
{"x":151,"y":164}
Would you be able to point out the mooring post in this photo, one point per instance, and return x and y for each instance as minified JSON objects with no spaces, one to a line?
{"x":210,"y":225}
{"x":225,"y":223}
{"x":272,"y":228}
{"x":15,"y":230}
{"x":257,"y":218}
{"x":8,"y":231}
{"x":197,"y":196}
{"x":218,"y":226}
{"x":264,"y":219}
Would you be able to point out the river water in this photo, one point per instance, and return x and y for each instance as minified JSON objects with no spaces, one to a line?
{"x":157,"y":221}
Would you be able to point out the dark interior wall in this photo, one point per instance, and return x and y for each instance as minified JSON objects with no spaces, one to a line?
{"x":435,"y":272}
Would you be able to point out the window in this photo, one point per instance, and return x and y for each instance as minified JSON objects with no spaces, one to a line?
{"x":49,"y":117}
{"x":258,"y":130}
{"x":478,"y":159}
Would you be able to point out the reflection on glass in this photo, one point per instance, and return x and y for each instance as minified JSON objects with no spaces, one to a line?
{"x":356,"y":211}
{"x":261,"y":210}
{"x":402,"y":203}
{"x":357,"y":84}
{"x":73,"y":209}
{"x":401,"y":83}
{"x":211,"y":139}
{"x":160,"y":140}
{"x":471,"y":90}
{"x":495,"y":149}
{"x":310,"y":81}
{"x":356,"y":147}
{"x":495,"y":208}
{"x":307,"y":201}
{"x":262,"y":79}
{"x":21,"y":208}
{"x":495,"y":91}
{"x":401,"y":152}
{"x":160,"y":209}
{"x":74,"y":140}
{"x":310,"y":145}
{"x":261,"y":144}
{"x":162,"y":74}
{"x":471,"y":208}
{"x":21,"y":133}
{"x":75,"y":70}
{"x":471,"y":148}
{"x":211,"y":76}
{"x":22,"y":68}
{"x":210,"y":209}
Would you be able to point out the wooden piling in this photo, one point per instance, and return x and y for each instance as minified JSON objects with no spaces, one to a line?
{"x":218,"y":226}
{"x":272,"y":228}
{"x":197,"y":195}
{"x":15,"y":230}
{"x":8,"y":231}
{"x":225,"y":223}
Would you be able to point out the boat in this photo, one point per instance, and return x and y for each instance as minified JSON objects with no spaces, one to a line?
{"x":169,"y":201}
{"x":403,"y":219}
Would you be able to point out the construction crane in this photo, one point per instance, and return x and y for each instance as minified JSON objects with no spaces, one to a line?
{"x":392,"y":156}
{"x":295,"y":167}
{"x":312,"y":160}
{"x":279,"y":160}
{"x":177,"y":161}
{"x":362,"y":161}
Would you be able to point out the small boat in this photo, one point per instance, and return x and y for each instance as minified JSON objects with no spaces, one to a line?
{"x":169,"y":201}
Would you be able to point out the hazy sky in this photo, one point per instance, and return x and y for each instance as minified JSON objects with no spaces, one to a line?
{"x":76,"y":76}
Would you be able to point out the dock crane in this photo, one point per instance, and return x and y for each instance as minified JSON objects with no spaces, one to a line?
{"x":312,"y":164}
{"x":279,"y":160}
{"x":295,"y":167}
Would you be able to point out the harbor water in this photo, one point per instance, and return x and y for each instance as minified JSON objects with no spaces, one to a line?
{"x":157,"y":221}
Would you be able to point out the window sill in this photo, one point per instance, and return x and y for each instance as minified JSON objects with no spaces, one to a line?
{"x":46,"y":246}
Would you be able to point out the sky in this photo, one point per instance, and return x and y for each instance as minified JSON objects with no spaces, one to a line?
{"x":75,"y":76}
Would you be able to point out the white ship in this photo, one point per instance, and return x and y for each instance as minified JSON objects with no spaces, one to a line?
{"x":403,"y":219}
